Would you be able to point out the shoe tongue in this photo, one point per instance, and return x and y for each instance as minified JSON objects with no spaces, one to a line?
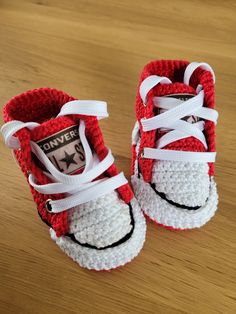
{"x":183,"y":92}
{"x":59,"y":139}
{"x":174,"y":89}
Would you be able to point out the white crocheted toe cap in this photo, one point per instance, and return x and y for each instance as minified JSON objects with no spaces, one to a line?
{"x":97,"y":226}
{"x":162,"y":212}
{"x":100,"y":222}
{"x":184,"y":183}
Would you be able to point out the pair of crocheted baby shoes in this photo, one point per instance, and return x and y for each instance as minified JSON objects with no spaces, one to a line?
{"x":90,"y":208}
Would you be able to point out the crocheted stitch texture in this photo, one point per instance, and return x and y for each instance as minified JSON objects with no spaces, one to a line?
{"x":161,"y":186}
{"x":40,"y":105}
{"x":109,"y":258}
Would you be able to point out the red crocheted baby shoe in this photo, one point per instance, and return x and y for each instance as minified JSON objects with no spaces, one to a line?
{"x":89,"y":206}
{"x":173,"y":144}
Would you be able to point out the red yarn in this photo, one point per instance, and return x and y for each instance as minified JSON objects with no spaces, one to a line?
{"x":133,"y":158}
{"x":174,"y":70}
{"x":41,"y":105}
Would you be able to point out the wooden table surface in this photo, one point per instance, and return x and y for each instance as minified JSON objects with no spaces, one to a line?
{"x":96,"y":50}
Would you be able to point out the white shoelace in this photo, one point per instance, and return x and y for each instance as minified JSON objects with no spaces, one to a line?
{"x":79,"y":188}
{"x":171,"y":119}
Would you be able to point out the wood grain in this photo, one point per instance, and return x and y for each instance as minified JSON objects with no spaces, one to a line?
{"x":96,"y":50}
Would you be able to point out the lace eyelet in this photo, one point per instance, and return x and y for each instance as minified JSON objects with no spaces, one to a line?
{"x":48,"y":206}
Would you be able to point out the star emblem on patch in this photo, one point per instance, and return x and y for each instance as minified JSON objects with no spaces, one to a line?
{"x":69,"y":159}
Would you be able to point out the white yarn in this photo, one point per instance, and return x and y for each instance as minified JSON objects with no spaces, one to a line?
{"x":182,"y":182}
{"x":100,"y":222}
{"x":109,"y":258}
{"x":164,"y":213}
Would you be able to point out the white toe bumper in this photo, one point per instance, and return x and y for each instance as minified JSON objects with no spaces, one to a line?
{"x":109,"y":258}
{"x":162,"y":212}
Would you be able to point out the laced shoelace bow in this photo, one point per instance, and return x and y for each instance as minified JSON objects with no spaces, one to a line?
{"x":79,"y":188}
{"x":171,"y":119}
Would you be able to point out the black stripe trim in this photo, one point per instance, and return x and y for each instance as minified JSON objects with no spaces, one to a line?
{"x":122,"y":240}
{"x":163,"y":196}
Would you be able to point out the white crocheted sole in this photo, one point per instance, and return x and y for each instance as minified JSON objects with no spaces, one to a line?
{"x":162,"y":212}
{"x":111,"y":257}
